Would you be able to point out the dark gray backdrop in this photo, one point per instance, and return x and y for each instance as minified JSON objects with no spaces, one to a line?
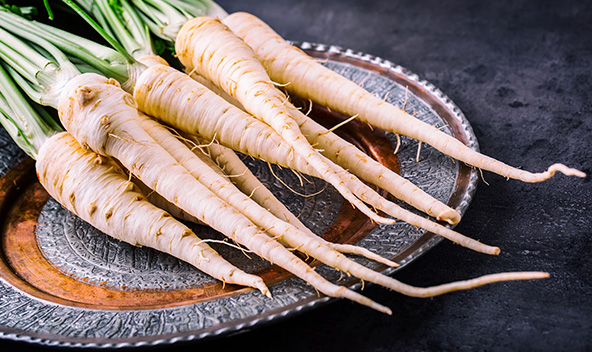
{"x":520,"y":71}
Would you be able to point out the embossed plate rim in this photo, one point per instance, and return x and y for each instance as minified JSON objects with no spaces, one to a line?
{"x":303,"y":305}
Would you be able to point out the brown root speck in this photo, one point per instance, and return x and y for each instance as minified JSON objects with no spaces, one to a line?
{"x":86,"y":96}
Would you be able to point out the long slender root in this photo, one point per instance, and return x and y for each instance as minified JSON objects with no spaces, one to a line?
{"x":286,"y":63}
{"x":223,"y":58}
{"x":424,"y":292}
{"x":361,"y":251}
{"x":98,"y":191}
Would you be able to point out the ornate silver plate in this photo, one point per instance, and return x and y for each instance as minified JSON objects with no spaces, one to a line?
{"x":149,"y":298}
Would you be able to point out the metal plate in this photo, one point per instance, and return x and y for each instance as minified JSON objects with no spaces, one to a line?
{"x":63,"y":283}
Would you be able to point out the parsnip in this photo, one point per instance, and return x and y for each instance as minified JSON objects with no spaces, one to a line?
{"x":307,"y":243}
{"x":104,"y":118}
{"x":356,"y":162}
{"x":309,"y":79}
{"x":176,"y":99}
{"x":206,"y":45}
{"x":98,"y":191}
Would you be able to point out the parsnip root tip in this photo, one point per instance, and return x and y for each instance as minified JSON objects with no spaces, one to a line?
{"x":510,"y":276}
{"x":451,"y":216}
{"x":543,"y":176}
{"x":568,"y":171}
{"x":262,"y":287}
{"x":265,"y":291}
{"x":471,"y":283}
{"x":380,"y":308}
{"x":543,"y":275}
{"x":392,"y":264}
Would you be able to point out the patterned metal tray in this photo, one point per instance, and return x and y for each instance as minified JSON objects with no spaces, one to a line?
{"x":63,"y":283}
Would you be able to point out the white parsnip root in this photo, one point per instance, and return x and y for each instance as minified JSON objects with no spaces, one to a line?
{"x":104,"y":118}
{"x":208,"y":46}
{"x":179,"y":101}
{"x":297,"y":237}
{"x":97,"y":190}
{"x":83,"y":168}
{"x":357,"y":162}
{"x":304,"y":241}
{"x":308,"y":79}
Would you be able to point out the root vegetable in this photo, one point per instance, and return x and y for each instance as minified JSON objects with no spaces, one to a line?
{"x":206,"y":45}
{"x":307,"y":78}
{"x":98,"y":191}
{"x":104,"y":118}
{"x":176,"y":99}
{"x":358,"y":163}
{"x":305,"y":242}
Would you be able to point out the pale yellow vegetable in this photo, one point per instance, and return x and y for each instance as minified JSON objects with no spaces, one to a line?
{"x":177,"y":100}
{"x":97,"y":190}
{"x":104,"y":118}
{"x":206,"y":45}
{"x":309,"y":244}
{"x":307,"y":78}
{"x":358,"y":163}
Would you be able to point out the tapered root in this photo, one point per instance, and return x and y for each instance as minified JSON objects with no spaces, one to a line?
{"x":451,"y":216}
{"x":231,"y":64}
{"x":424,"y":292}
{"x":263,"y":288}
{"x":351,"y":249}
{"x":542,"y":176}
{"x":286,"y":63}
{"x":342,"y":292}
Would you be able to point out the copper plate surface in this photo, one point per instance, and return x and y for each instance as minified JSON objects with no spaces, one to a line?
{"x":63,"y":283}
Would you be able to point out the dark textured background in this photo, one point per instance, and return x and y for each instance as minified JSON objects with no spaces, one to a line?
{"x":521,"y":72}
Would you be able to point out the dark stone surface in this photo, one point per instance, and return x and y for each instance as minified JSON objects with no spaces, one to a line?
{"x":521,"y":72}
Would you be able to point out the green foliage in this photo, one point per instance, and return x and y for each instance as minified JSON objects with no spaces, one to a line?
{"x":24,"y":11}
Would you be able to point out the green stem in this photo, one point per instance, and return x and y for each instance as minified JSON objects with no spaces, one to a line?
{"x":50,"y":47}
{"x":48,"y":9}
{"x":29,"y":126}
{"x":41,"y":67}
{"x":128,"y":27}
{"x":114,"y":43}
{"x":165,"y":17}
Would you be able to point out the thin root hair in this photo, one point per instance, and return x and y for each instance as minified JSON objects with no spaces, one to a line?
{"x":234,"y":175}
{"x":290,"y":188}
{"x":398,"y":143}
{"x":309,"y":107}
{"x":193,"y":70}
{"x":295,"y":172}
{"x":361,"y":84}
{"x":254,"y":190}
{"x":406,"y":97}
{"x":277,"y":84}
{"x":201,"y":147}
{"x":482,"y":177}
{"x":241,"y":248}
{"x":342,"y":123}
